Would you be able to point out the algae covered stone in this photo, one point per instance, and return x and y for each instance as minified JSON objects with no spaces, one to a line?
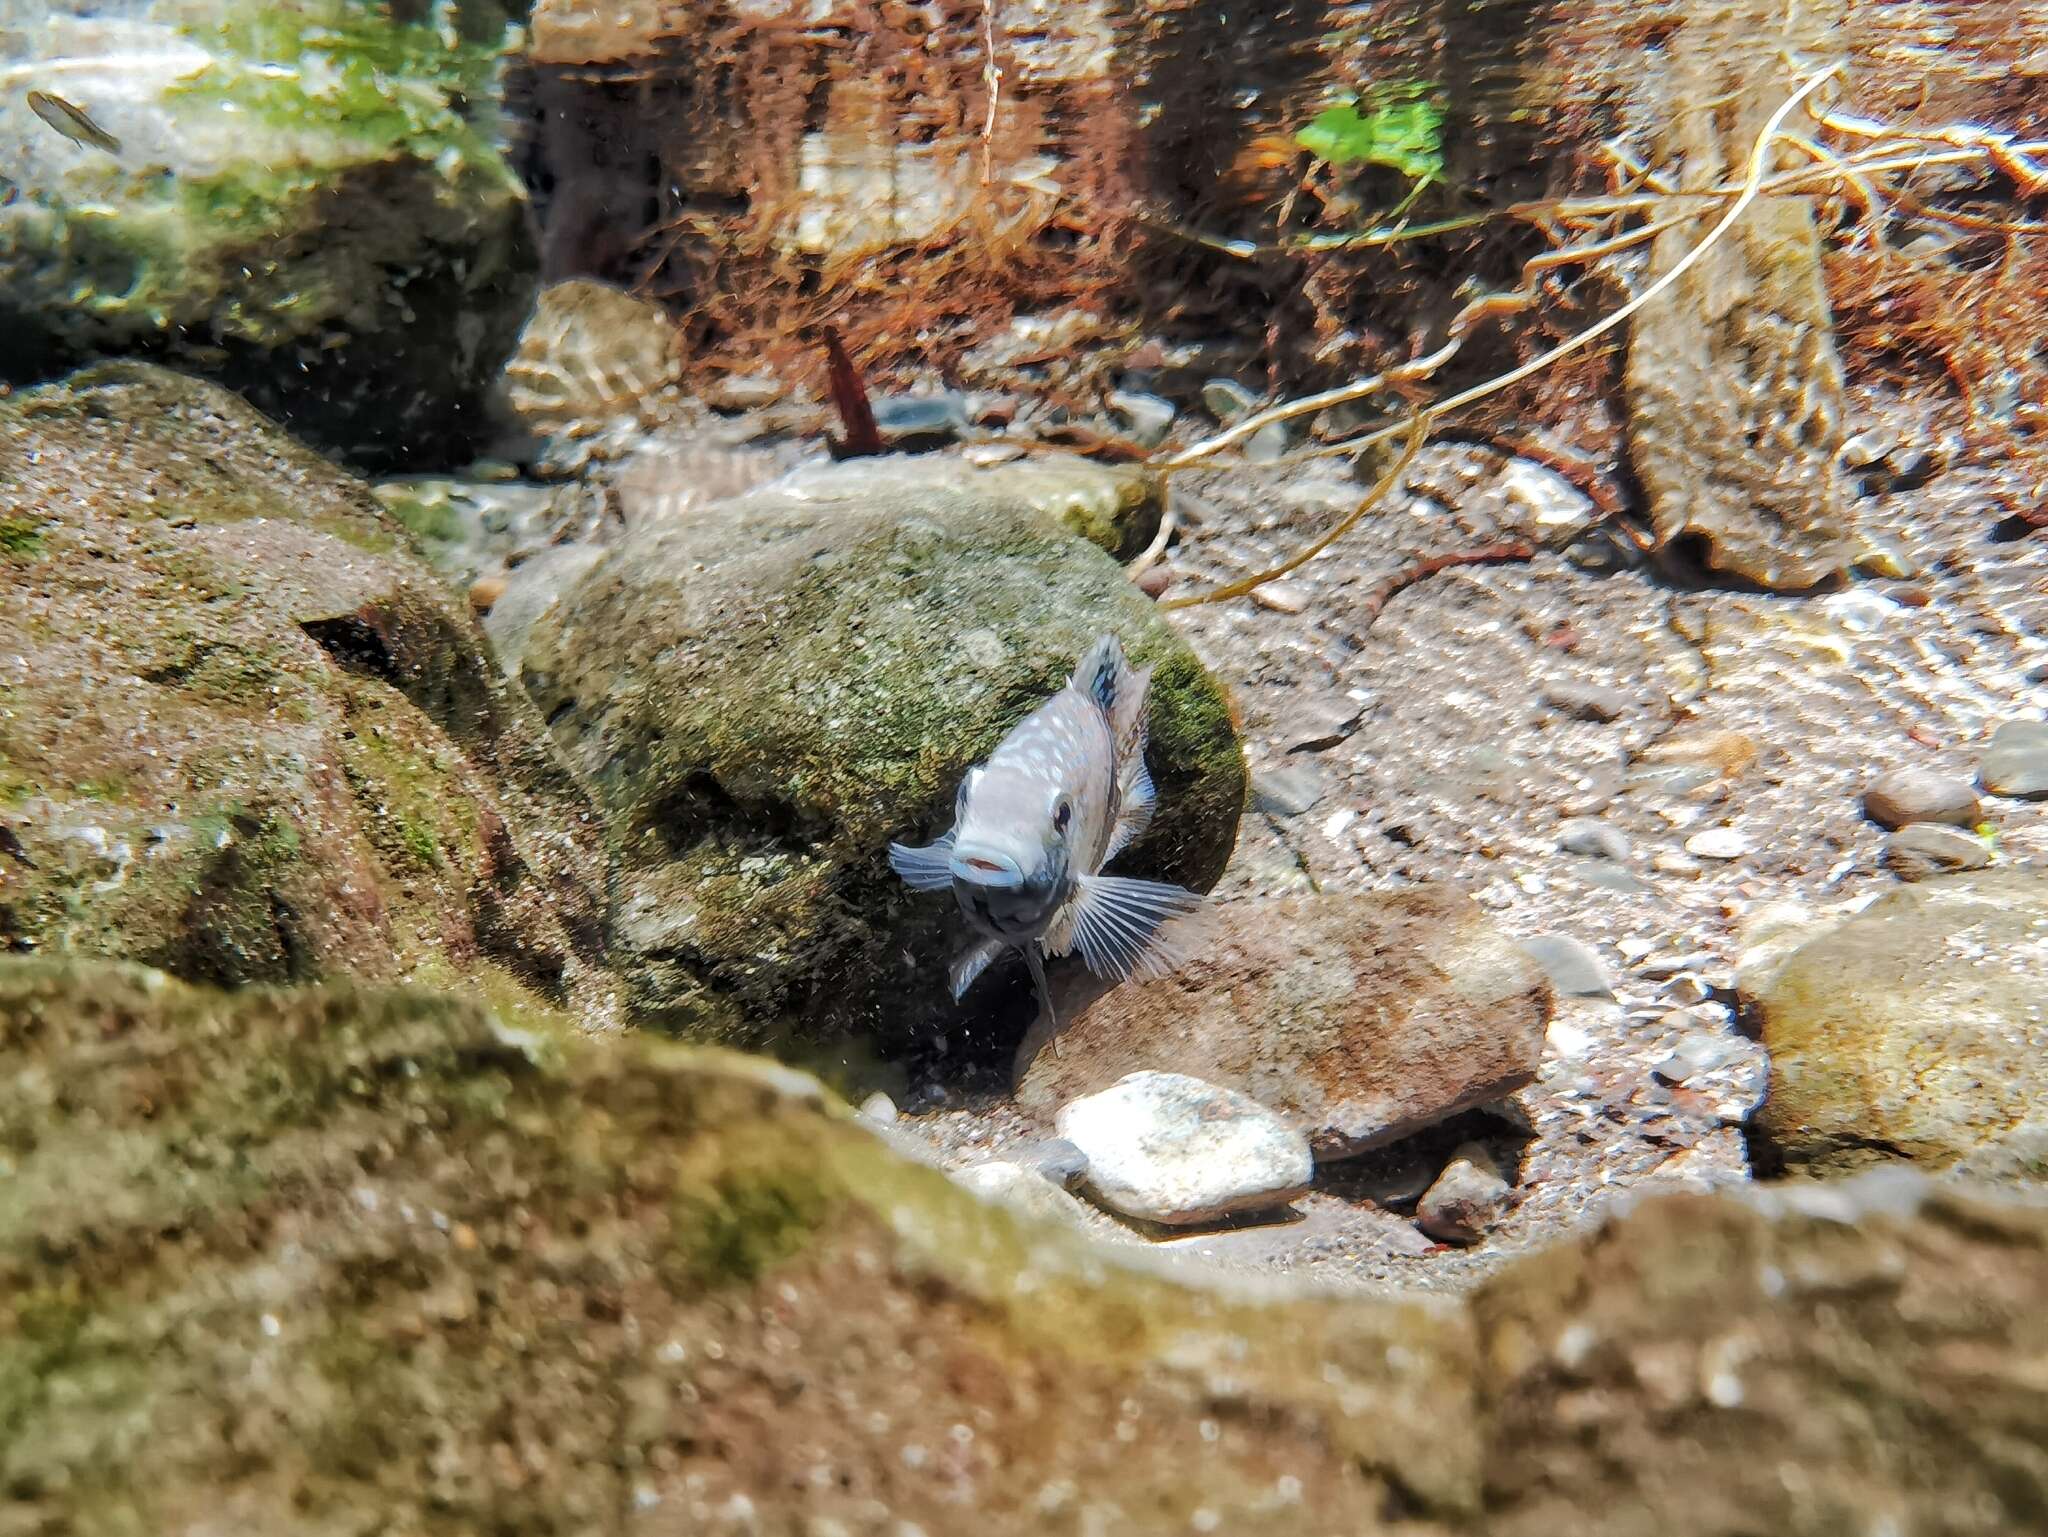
{"x":321,"y":1259}
{"x":767,"y":692}
{"x":307,"y":204}
{"x":1917,"y":1029}
{"x":245,"y":735}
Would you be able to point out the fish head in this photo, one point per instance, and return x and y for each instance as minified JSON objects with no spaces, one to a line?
{"x":1012,"y":861}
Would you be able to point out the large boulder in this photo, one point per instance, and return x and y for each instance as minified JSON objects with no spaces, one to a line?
{"x":1359,"y":1019}
{"x":245,"y":735}
{"x":308,"y":205}
{"x":1916,"y":1029}
{"x":766,"y":692}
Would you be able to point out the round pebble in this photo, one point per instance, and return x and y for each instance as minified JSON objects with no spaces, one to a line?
{"x":2016,"y":763}
{"x":1466,"y":1199}
{"x":1718,"y":843}
{"x":1918,"y":795}
{"x":1921,"y":849}
{"x":1573,"y":969}
{"x":1592,"y":838}
{"x":1167,"y":1148}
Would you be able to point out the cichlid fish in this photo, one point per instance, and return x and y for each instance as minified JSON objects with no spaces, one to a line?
{"x":72,"y":121}
{"x":1060,"y":797}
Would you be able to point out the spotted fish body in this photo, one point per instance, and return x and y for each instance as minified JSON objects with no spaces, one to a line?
{"x":1064,"y":793}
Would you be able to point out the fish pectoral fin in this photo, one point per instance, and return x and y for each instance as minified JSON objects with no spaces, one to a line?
{"x":1116,"y":923}
{"x":1135,"y":814}
{"x":927,"y":869}
{"x":971,"y":963}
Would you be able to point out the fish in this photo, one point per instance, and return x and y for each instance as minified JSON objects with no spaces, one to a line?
{"x":72,"y":121}
{"x":1061,"y":796}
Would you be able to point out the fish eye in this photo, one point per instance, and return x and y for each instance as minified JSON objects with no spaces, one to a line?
{"x":1062,"y":815}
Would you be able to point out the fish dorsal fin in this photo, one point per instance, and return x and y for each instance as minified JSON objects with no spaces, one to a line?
{"x":1135,"y":800}
{"x":1120,"y":692}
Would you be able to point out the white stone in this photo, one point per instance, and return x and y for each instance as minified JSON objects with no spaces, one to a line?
{"x":1717,"y":843}
{"x":1167,"y":1148}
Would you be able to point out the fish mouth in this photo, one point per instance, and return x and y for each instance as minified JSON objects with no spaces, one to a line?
{"x":988,"y":869}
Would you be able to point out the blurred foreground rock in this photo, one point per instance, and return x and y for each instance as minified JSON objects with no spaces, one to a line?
{"x":245,"y":734}
{"x":1359,"y":1019}
{"x":331,"y":1259}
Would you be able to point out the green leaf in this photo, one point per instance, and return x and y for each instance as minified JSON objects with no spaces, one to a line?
{"x":1401,"y":130}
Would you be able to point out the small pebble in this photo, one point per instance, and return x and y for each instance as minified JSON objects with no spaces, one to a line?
{"x":988,"y":455}
{"x":912,"y":421}
{"x":879,"y":1108}
{"x":1921,"y":849}
{"x":1269,"y":443}
{"x":1669,"y":862}
{"x":745,"y":392}
{"x":1687,"y":988}
{"x":1227,"y":400}
{"x":2016,"y":762}
{"x":1154,"y":580}
{"x":1592,"y":838}
{"x":1318,"y":719}
{"x":1167,"y":1148}
{"x":1056,"y":1159}
{"x":1659,"y":968}
{"x":1588,"y":701}
{"x":1573,"y":969}
{"x":1466,"y":1199}
{"x":1289,"y":791}
{"x":1918,"y":795}
{"x":485,"y":591}
{"x":1694,"y":1054}
{"x":1718,"y":843}
{"x":1147,"y":419}
{"x":1281,"y":597}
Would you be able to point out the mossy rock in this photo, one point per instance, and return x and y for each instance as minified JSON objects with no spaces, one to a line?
{"x":766,"y":693}
{"x":339,"y":1260}
{"x":307,"y":205}
{"x":249,"y":736}
{"x":1917,"y":1029}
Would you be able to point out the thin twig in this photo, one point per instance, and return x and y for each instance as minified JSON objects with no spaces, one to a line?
{"x":994,"y":77}
{"x":1392,"y":586}
{"x":1380,"y":491}
{"x":1753,"y":183}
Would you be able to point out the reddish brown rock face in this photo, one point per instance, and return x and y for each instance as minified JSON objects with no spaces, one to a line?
{"x":1360,"y":1019}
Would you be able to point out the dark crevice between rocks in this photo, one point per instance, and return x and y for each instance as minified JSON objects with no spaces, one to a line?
{"x":699,"y":808}
{"x":1767,"y":1159}
{"x":354,"y":645}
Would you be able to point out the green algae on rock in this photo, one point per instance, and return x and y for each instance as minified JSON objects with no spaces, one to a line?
{"x":765,"y":693}
{"x":336,"y":1259}
{"x":309,"y":207}
{"x":316,"y":1257}
{"x":1917,"y":1029}
{"x":247,"y":736}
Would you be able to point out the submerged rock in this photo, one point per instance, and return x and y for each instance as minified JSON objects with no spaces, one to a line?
{"x":308,"y":206}
{"x":1167,"y":1148}
{"x":1466,"y":1199}
{"x":766,"y":693}
{"x":1918,"y":795}
{"x":2016,"y":762}
{"x":1921,"y":849}
{"x":325,"y":1258}
{"x":247,"y":736}
{"x":1916,"y":1029}
{"x":1357,"y":1018}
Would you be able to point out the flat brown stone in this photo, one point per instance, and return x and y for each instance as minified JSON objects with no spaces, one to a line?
{"x":1360,"y":1019}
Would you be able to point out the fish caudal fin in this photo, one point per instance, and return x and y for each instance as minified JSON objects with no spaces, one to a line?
{"x":927,"y":869}
{"x":971,"y":963}
{"x":1115,"y":923}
